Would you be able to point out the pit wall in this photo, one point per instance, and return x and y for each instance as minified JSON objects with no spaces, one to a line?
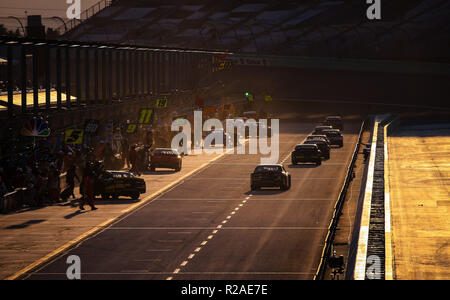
{"x":374,"y":243}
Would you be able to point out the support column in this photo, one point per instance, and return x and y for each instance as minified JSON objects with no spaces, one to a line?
{"x":130,"y":72}
{"x":154,"y":73}
{"x":10,"y":76}
{"x":87,"y":74}
{"x":78,"y":76}
{"x":111,"y":70}
{"x":96,"y":100}
{"x":47,"y":78}
{"x":149,"y":73}
{"x":58,"y":78}
{"x":23,"y":83}
{"x":118,"y":70}
{"x":35,"y":81}
{"x":103,"y":76}
{"x":68,"y":79}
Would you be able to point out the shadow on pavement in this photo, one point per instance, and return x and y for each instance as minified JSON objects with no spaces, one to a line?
{"x":76,"y":213}
{"x":266,"y":192}
{"x":126,"y":200}
{"x":25,"y":225}
{"x":159,"y":172}
{"x":304,"y":166}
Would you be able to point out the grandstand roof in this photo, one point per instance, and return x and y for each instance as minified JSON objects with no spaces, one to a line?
{"x":408,"y":28}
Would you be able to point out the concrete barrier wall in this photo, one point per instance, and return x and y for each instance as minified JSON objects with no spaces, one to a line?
{"x":384,"y":125}
{"x":331,"y":63}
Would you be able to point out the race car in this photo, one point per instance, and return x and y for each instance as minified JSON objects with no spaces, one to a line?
{"x":335,"y":122}
{"x":119,"y":183}
{"x":323,"y":146}
{"x":270,"y":176}
{"x":306,"y":154}
{"x":241,"y":122}
{"x":335,"y":137}
{"x":165,"y":158}
{"x":251,"y":115}
{"x":319,"y":129}
{"x":318,"y":137}
{"x":225,"y":137}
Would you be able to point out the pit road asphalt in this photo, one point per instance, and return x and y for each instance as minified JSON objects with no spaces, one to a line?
{"x":212,"y":226}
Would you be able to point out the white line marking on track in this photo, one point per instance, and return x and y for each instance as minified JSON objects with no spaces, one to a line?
{"x":148,"y":260}
{"x":208,"y":228}
{"x":188,"y":273}
{"x":234,"y":199}
{"x":170,"y":241}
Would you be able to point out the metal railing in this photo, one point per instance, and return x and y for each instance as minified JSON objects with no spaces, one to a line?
{"x":321,"y":270}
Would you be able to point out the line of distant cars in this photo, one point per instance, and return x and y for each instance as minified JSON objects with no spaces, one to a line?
{"x":317,"y":146}
{"x":314,"y":149}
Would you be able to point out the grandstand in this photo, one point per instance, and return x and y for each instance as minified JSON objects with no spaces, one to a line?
{"x":409,"y":29}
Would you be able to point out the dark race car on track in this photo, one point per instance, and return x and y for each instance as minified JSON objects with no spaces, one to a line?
{"x":165,"y":158}
{"x":335,"y":137}
{"x":335,"y":122}
{"x":119,"y":183}
{"x":226,"y":138}
{"x":323,"y":146}
{"x":318,"y":137}
{"x":319,"y":129}
{"x":306,"y":154}
{"x":270,"y":176}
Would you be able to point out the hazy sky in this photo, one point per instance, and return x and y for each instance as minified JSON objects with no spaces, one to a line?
{"x":46,"y":8}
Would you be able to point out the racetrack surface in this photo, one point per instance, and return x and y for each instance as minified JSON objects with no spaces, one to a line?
{"x":212,"y":226}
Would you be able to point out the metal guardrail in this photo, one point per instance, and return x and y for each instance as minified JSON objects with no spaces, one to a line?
{"x":12,"y":201}
{"x":17,"y":199}
{"x":337,"y":211}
